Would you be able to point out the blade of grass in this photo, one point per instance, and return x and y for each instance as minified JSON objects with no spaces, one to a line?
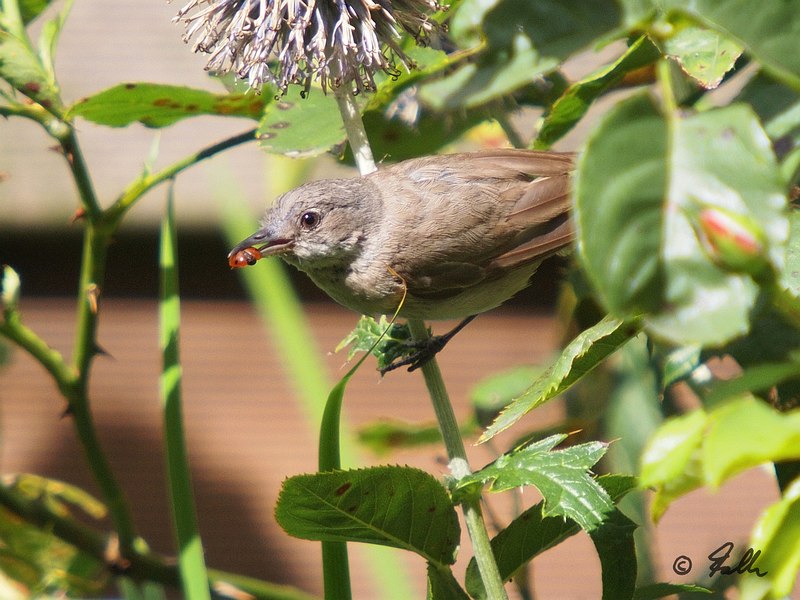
{"x":191,"y":563}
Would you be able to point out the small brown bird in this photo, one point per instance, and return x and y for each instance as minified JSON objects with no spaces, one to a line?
{"x":456,"y":234}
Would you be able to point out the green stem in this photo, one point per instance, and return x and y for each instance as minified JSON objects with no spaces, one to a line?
{"x":52,"y":360}
{"x":459,"y":466}
{"x":148,"y":181}
{"x":80,"y":172}
{"x":511,"y":133}
{"x":93,"y":264}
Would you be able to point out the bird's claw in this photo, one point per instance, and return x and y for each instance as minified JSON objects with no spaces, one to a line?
{"x":422,"y":352}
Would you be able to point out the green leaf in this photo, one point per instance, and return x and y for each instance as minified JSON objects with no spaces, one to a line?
{"x":720,"y":159}
{"x":442,"y":585}
{"x":386,"y":436}
{"x":790,"y":277}
{"x":747,"y":433}
{"x":619,"y":190}
{"x":31,"y":9}
{"x":159,"y":105}
{"x":661,"y":590}
{"x":523,"y":40}
{"x":302,"y":127}
{"x":704,"y":54}
{"x":613,"y":540}
{"x":37,"y":560}
{"x":670,"y":461}
{"x":573,"y":105}
{"x":680,"y":363}
{"x":582,"y":355}
{"x":756,"y":378}
{"x":385,"y":340}
{"x":24,"y":71}
{"x":769,"y":30}
{"x":392,"y":506}
{"x":777,"y":536}
{"x":533,"y":532}
{"x":644,"y":244}
{"x":561,"y":476}
{"x":708,"y":448}
{"x":394,"y":139}
{"x":48,"y":40}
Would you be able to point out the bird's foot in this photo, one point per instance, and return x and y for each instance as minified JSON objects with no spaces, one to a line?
{"x":422,"y":351}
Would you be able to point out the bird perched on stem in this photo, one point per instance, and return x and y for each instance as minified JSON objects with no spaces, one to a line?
{"x":440,"y":237}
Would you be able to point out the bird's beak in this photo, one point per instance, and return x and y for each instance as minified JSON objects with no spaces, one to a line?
{"x":264,"y":243}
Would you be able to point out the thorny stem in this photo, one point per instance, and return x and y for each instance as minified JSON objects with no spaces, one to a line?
{"x":73,"y":379}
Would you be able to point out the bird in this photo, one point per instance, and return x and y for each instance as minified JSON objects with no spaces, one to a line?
{"x":438,"y":237}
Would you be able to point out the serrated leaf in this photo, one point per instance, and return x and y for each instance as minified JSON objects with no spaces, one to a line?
{"x":561,"y":476}
{"x":777,"y":536}
{"x":768,"y":30}
{"x":302,"y":126}
{"x":575,"y":102}
{"x":24,"y":71}
{"x":159,"y":105}
{"x":531,"y":533}
{"x":704,"y":55}
{"x":582,"y":355}
{"x":490,"y":395}
{"x":387,"y":341}
{"x":523,"y":40}
{"x":392,"y":506}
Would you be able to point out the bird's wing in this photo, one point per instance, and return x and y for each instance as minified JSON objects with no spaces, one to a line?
{"x":524,"y":199}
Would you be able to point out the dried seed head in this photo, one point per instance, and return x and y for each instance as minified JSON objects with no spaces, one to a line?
{"x":297,"y":41}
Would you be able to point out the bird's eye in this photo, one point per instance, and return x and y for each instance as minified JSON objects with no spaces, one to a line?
{"x":310,"y":219}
